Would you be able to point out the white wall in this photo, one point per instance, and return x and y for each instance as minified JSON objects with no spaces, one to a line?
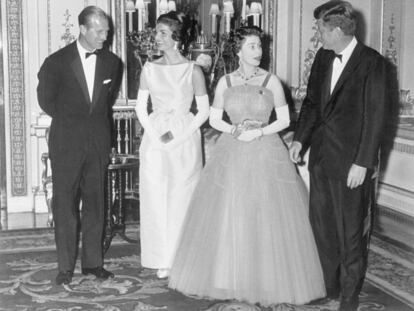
{"x":45,"y":26}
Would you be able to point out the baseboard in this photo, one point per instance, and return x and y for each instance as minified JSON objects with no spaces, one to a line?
{"x":394,"y":227}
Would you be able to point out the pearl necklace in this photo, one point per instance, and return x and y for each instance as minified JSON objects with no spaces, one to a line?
{"x":249,"y":77}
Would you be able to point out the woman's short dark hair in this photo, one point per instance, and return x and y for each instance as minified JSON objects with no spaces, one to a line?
{"x":84,"y":18}
{"x":337,"y":13}
{"x":242,"y":33}
{"x":174,"y":21}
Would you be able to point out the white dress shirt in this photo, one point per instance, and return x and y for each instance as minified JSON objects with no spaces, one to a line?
{"x":338,"y":65}
{"x":88,"y":65}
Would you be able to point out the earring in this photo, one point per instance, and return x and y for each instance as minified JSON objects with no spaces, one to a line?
{"x":176,"y":45}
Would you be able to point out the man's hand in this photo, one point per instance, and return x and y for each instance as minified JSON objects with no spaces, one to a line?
{"x":356,"y":176}
{"x":294,"y":151}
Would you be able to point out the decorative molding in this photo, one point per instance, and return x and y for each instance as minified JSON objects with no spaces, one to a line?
{"x":395,"y":226}
{"x":399,"y":218}
{"x":396,"y":198}
{"x":271,"y":9}
{"x":49,"y":29}
{"x":405,"y":133}
{"x":67,"y":37}
{"x":18,"y":169}
{"x":391,"y":31}
{"x":310,"y":55}
{"x":403,"y":148}
{"x":124,"y":114}
{"x":300,"y":42}
{"x":391,"y":51}
{"x":119,"y":42}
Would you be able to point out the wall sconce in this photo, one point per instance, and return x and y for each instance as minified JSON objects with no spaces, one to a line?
{"x":214,"y":11}
{"x":228,"y":11}
{"x":163,"y":7}
{"x":140,"y":6}
{"x":130,"y":9}
{"x":171,"y":6}
{"x":255,"y":8}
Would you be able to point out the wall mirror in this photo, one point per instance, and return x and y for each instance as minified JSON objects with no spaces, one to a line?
{"x":208,"y":24}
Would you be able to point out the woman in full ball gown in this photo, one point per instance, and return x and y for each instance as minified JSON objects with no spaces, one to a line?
{"x":170,"y":151}
{"x":247,"y":235}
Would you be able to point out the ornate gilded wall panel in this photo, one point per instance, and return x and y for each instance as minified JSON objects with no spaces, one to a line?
{"x":18,"y":172}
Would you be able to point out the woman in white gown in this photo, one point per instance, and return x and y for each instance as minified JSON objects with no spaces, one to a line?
{"x":247,"y":234}
{"x":170,"y":152}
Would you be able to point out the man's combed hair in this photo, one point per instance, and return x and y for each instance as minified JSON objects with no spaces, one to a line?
{"x":337,"y":13}
{"x":88,"y":12}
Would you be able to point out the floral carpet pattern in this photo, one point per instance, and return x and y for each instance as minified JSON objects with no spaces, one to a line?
{"x":84,"y":290}
{"x":27,"y":275}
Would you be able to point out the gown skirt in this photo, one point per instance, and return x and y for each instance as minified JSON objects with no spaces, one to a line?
{"x":167,"y":178}
{"x":247,"y":235}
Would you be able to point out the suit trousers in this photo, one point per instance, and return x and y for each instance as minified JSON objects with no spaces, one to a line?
{"x":337,"y":214}
{"x":82,"y":178}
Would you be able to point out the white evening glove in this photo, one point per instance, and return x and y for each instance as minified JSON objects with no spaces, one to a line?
{"x":143,"y":117}
{"x":198,"y":120}
{"x":282,"y":122}
{"x":216,"y":121}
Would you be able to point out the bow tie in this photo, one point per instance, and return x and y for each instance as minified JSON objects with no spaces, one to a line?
{"x":339,"y":56}
{"x":87,"y":54}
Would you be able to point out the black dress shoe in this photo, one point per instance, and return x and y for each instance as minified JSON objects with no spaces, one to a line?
{"x":99,"y":272}
{"x":64,"y":277}
{"x":319,"y":301}
{"x":332,"y":294}
{"x":348,"y":304}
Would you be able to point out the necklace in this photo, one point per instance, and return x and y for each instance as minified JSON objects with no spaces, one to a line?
{"x":245,"y":78}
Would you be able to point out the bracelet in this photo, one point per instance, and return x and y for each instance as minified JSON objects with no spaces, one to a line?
{"x":233,"y":129}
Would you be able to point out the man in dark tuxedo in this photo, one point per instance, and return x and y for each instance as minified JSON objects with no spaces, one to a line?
{"x":77,"y":87}
{"x":342,"y":120}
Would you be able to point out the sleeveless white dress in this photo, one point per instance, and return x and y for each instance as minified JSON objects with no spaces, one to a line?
{"x":167,"y":178}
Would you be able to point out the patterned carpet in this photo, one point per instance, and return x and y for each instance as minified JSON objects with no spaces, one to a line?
{"x":28,"y":268}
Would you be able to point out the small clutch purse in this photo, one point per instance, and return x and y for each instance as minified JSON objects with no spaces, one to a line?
{"x":249,"y":124}
{"x":246,"y":125}
{"x":166,"y":137}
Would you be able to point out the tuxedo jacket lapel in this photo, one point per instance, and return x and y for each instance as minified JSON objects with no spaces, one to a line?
{"x":99,"y":76}
{"x":80,"y":75}
{"x":350,"y":67}
{"x":326,"y":83}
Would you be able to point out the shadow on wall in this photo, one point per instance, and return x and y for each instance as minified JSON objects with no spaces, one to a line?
{"x":391,"y":115}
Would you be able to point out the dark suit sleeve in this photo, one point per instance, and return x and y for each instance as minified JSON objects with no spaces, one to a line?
{"x":310,"y":106}
{"x":117,"y":78}
{"x":374,"y":102}
{"x":48,"y":87}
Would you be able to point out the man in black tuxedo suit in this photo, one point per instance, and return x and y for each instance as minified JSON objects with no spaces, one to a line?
{"x":77,"y":87}
{"x":342,"y":120}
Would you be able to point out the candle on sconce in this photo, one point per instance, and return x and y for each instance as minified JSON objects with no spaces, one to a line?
{"x":243,"y":12}
{"x":214,"y":11}
{"x":261,"y":15}
{"x":171,"y":6}
{"x":228,"y":11}
{"x":247,"y":14}
{"x":255,"y":11}
{"x":163,"y":7}
{"x":130,"y":9}
{"x":140,"y":6}
{"x":146,"y":3}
